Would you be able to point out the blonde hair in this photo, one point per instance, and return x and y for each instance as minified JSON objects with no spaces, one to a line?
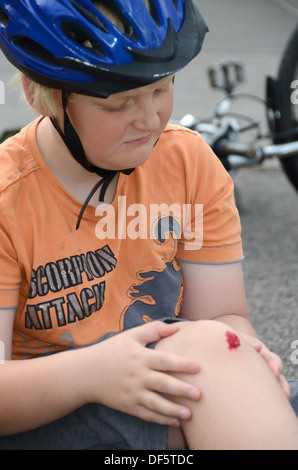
{"x":42,"y":99}
{"x":47,"y":101}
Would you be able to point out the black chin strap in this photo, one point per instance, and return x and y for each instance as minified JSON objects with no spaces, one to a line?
{"x":104,"y":183}
{"x":74,"y":144}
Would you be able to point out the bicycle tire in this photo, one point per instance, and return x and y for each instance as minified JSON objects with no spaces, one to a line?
{"x":288,"y":72}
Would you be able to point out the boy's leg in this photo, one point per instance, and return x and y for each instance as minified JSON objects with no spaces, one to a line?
{"x":242,"y":404}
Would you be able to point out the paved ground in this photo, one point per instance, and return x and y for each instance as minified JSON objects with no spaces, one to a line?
{"x":268,"y":208}
{"x":254,"y":32}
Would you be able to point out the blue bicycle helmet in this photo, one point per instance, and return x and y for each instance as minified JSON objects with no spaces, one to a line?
{"x":73,"y":45}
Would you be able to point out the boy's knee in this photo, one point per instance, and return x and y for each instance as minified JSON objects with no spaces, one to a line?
{"x":207,"y":336}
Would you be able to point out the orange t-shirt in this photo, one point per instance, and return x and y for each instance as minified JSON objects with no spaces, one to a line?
{"x":121,"y":267}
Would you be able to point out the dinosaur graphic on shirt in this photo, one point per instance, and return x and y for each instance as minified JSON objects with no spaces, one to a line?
{"x":157,"y":293}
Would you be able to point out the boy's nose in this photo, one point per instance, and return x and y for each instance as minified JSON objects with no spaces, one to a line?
{"x":147,"y":116}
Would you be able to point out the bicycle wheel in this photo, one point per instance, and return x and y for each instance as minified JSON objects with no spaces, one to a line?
{"x":287,"y":129}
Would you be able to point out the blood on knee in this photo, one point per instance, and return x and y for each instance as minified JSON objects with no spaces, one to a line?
{"x":232,"y":340}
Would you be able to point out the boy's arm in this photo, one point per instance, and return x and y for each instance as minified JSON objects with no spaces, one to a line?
{"x":33,"y":392}
{"x":216,"y":292}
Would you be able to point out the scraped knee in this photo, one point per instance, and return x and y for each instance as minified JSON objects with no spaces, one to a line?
{"x":202,"y":337}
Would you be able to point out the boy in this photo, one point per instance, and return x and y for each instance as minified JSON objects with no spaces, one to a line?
{"x":137,"y":330}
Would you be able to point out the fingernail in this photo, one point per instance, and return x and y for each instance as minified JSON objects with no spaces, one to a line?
{"x":183,"y":414}
{"x":176,"y":423}
{"x":193,"y":394}
{"x":193,"y":367}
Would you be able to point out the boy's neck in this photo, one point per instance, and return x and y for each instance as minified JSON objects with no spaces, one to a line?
{"x":72,"y":176}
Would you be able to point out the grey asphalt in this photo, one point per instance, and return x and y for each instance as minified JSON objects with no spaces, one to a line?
{"x":254,"y":32}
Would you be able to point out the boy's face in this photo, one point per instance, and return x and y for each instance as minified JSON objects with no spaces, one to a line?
{"x":120,"y":132}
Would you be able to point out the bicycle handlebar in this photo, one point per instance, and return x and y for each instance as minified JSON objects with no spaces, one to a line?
{"x":251,"y":152}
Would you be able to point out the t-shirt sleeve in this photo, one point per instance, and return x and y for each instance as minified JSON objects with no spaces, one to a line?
{"x":10,"y":275}
{"x":211,"y":229}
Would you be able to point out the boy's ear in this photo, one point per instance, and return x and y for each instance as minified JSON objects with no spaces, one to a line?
{"x":28,"y":87}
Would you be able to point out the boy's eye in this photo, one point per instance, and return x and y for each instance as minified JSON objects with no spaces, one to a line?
{"x":162,"y":90}
{"x":116,"y":109}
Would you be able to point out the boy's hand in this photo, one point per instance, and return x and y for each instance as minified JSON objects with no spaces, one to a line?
{"x":134,"y":379}
{"x":273,"y":361}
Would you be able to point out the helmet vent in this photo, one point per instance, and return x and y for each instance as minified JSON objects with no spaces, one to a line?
{"x":112,"y":13}
{"x":34,"y":49}
{"x":90,"y":16}
{"x":81,"y":37}
{"x":4,"y":19}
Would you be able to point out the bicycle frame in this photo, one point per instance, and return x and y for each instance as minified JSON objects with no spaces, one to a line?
{"x":223,"y":128}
